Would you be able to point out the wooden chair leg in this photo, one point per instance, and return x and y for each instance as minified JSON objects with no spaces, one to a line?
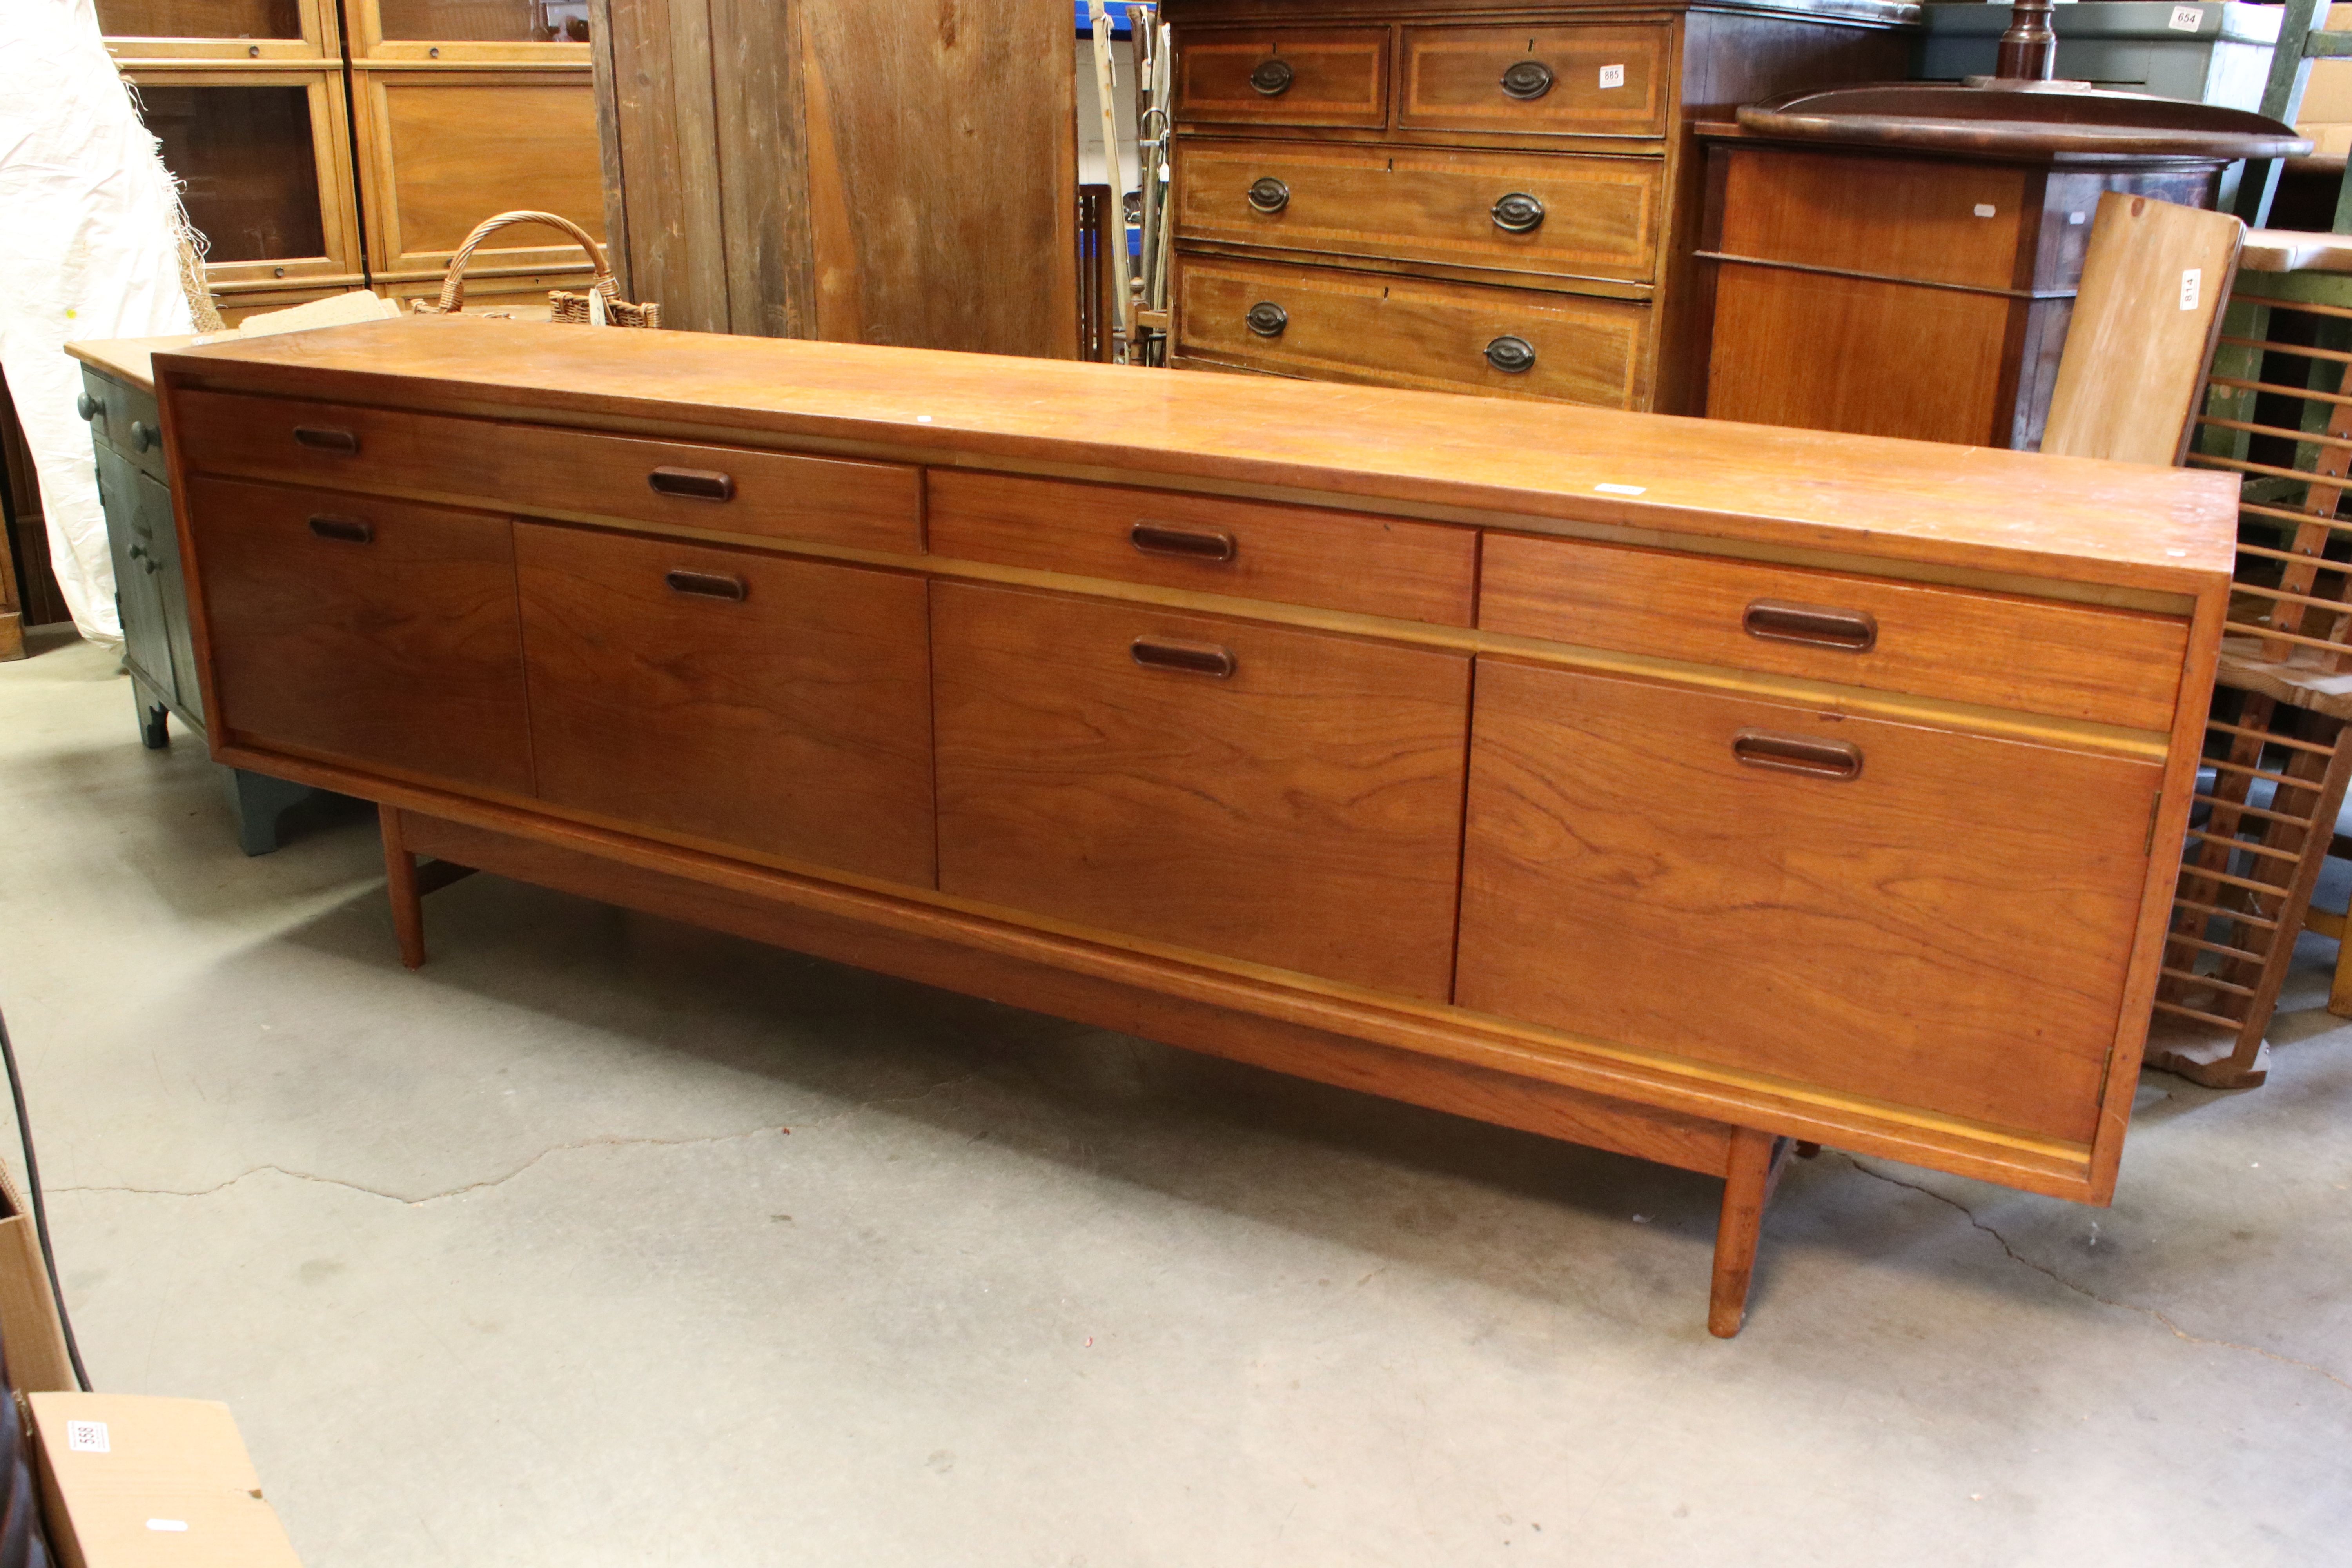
{"x":400,"y":882}
{"x":1754,"y":1169}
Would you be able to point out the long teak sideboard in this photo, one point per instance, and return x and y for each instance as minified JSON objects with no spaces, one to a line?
{"x":1680,"y":788}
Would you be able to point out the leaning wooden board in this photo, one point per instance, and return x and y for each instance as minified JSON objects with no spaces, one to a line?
{"x":1682,"y":788}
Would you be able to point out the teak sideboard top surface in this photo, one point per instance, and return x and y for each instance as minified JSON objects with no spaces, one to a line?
{"x":1667,"y":785}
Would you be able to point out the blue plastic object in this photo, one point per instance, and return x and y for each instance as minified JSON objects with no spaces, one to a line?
{"x":1114,"y":12}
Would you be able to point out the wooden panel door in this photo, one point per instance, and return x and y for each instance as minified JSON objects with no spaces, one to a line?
{"x":1948,"y":928}
{"x":362,"y":630}
{"x":752,"y":699}
{"x":1287,"y":797}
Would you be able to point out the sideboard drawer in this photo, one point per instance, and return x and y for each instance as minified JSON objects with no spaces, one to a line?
{"x":1328,"y":325}
{"x":1284,"y":76}
{"x":1596,"y":80}
{"x":535,"y":468}
{"x":2002,"y":650}
{"x":778,"y":705}
{"x":1286,"y":797}
{"x":1913,"y":915}
{"x":1549,"y":214}
{"x":1252,"y":550}
{"x":368,"y":631}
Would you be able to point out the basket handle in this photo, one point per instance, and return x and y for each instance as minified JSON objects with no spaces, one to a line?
{"x":453,"y":285}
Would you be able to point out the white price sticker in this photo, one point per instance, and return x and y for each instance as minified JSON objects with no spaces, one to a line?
{"x":86,"y":1438}
{"x":1621,"y":489}
{"x":1612,"y":76}
{"x":172,"y":1526}
{"x":2192,"y":282}
{"x":2187,"y":18}
{"x":1985,"y":210}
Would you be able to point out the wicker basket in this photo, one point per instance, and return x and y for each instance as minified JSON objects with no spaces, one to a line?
{"x":604,"y":298}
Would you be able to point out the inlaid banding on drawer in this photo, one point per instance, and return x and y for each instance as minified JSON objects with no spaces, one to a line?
{"x":541,"y":469}
{"x":1999,"y":650}
{"x":1252,"y":550}
{"x":1593,"y":80}
{"x":1332,"y":325}
{"x":1516,"y":212}
{"x":1284,"y":76}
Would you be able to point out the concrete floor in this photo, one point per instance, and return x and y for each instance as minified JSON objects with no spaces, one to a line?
{"x":603,"y":1240}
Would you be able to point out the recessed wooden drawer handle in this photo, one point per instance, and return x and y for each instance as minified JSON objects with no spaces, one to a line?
{"x":708,"y":585}
{"x":349,"y":530}
{"x":1190,"y":657}
{"x":1527,"y":79}
{"x":1511,"y":354}
{"x":1272,"y":77}
{"x":1268,"y":196}
{"x":1192,"y":544}
{"x":326,"y":438}
{"x":694,"y":484}
{"x":1517,"y":213}
{"x":1266,"y":319}
{"x":1797,"y":754}
{"x":1779,"y":620}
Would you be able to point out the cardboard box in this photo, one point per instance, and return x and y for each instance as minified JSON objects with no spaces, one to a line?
{"x":131,"y":1481}
{"x":31,"y":1338}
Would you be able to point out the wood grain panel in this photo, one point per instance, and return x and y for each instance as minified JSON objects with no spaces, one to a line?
{"x":795,"y":720}
{"x":1599,"y":215}
{"x":1608,"y":80}
{"x":1898,"y":935}
{"x":2002,"y":650}
{"x":1340,"y":76}
{"x":1847,"y":353}
{"x":1303,"y":813}
{"x":451,"y":148}
{"x":531,"y":468}
{"x":1930,"y":220}
{"x":1298,"y":556}
{"x":1349,"y":326}
{"x":403,"y":650}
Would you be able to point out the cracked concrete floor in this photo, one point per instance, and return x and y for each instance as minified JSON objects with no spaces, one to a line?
{"x":606,"y":1241}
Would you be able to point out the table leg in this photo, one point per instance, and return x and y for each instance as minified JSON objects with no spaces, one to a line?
{"x":407,"y":897}
{"x":1753,"y":1171}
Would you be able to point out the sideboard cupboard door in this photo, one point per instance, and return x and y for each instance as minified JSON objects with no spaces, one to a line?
{"x":1286,"y":797}
{"x":772,"y":704}
{"x":362,"y":630}
{"x":1936,"y":920}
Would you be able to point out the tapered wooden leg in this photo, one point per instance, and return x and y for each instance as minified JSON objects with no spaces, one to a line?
{"x":1757,"y":1159}
{"x":400,"y":882}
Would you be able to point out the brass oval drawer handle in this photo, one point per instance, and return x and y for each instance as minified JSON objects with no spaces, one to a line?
{"x":1192,"y":544}
{"x":1833,"y":760}
{"x":143,"y":436}
{"x":1186,"y":658}
{"x":1512,"y":355}
{"x":325,"y":438}
{"x":1517,"y":213}
{"x":1817,"y":626}
{"x":1268,"y":196}
{"x":1266,"y":319}
{"x":1527,"y":80}
{"x":708,"y":585}
{"x":692,"y":484}
{"x":1272,"y":77}
{"x":347,"y":530}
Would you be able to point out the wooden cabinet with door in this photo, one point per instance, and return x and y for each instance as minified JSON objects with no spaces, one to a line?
{"x":1698,"y":788}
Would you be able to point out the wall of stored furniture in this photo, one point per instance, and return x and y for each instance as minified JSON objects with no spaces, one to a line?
{"x":1696,"y":788}
{"x":337,"y":144}
{"x":839,"y":170}
{"x":1465,"y":197}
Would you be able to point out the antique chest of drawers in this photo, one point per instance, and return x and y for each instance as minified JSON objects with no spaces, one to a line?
{"x":1680,"y":788}
{"x":1461,"y":196}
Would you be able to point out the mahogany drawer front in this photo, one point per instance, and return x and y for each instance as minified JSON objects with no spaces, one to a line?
{"x":1328,"y":325}
{"x":531,"y":468}
{"x":373,"y":632}
{"x":1283,"y":797}
{"x":1603,"y":80}
{"x":777,"y":704}
{"x":1999,"y":651}
{"x":1557,"y":214}
{"x":1918,"y":916}
{"x":1335,"y":77}
{"x":1252,"y":550}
